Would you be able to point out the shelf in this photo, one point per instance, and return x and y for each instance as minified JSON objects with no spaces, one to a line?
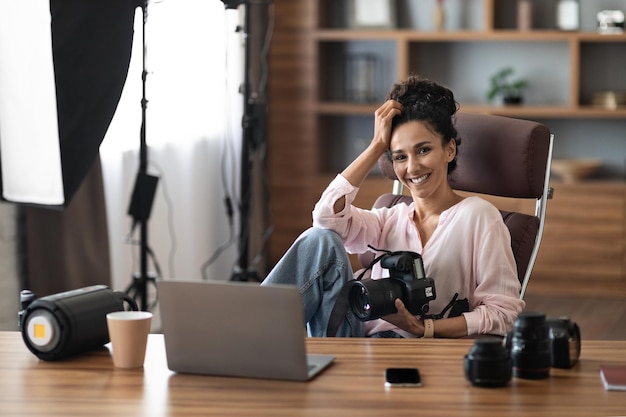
{"x":547,"y":112}
{"x":543,"y":112}
{"x":339,"y":35}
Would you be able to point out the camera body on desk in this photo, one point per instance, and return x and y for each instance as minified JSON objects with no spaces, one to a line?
{"x":564,"y":342}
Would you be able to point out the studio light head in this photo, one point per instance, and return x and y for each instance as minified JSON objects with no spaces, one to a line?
{"x":69,"y":323}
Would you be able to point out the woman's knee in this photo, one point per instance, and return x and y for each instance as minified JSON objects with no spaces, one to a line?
{"x":319,"y":236}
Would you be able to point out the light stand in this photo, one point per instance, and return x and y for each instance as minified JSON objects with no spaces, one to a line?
{"x":143,"y":193}
{"x":253,"y":115}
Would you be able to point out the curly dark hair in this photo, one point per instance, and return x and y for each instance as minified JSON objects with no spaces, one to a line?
{"x":426,"y":101}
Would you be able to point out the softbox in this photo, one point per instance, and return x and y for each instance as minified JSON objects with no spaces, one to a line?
{"x":63,"y":64}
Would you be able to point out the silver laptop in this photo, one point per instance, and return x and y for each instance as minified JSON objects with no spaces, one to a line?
{"x":236,"y":329}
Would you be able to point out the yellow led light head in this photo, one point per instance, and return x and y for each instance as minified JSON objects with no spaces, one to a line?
{"x":68,"y":323}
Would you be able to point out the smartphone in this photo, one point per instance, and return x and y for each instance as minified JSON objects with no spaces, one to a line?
{"x":402,"y":377}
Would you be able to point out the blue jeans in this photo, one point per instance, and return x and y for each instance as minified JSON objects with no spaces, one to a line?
{"x":317,"y":263}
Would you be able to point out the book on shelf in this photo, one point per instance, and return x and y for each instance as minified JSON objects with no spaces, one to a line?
{"x":613,"y":377}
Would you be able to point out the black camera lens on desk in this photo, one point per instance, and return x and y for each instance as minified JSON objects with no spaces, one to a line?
{"x":530,"y":346}
{"x":529,"y":351}
{"x":488,"y":362}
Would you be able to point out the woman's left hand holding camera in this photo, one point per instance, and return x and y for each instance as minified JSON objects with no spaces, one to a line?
{"x":447,"y":327}
{"x":404,"y":320}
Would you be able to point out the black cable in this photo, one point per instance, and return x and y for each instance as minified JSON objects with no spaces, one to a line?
{"x":150,"y":253}
{"x":225,"y":245}
{"x":135,"y":292}
{"x":130,"y":301}
{"x":265,"y":51}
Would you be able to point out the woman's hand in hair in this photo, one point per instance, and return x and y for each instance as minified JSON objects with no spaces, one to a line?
{"x":358,"y":170}
{"x":383,"y":116}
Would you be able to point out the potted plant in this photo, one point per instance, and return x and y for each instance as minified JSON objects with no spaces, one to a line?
{"x":501,"y":85}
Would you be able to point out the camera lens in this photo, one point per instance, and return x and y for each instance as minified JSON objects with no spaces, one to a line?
{"x":530,"y":349}
{"x":488,"y":363}
{"x":371,"y":299}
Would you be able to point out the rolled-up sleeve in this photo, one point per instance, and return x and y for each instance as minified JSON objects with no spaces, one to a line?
{"x":357,"y":227}
{"x":324,"y":215}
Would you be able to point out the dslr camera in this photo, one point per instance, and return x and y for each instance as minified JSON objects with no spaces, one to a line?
{"x":373,"y":298}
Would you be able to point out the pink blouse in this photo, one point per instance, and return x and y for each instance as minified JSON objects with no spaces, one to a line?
{"x":469,"y":253}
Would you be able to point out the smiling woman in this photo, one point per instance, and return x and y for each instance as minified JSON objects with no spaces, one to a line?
{"x":463,"y":242}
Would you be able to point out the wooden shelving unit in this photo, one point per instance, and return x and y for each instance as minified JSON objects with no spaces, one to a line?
{"x":328,"y":42}
{"x":315,"y":119}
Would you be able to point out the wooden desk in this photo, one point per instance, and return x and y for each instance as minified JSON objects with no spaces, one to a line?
{"x":89,"y":385}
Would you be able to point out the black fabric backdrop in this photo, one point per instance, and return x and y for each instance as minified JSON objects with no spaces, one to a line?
{"x":91,"y":46}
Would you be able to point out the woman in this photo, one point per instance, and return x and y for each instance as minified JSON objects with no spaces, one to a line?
{"x":464,"y":243}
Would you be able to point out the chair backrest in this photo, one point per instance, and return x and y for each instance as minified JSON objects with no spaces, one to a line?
{"x":504,"y":157}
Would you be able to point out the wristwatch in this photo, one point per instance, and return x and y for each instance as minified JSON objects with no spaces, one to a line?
{"x":429,"y":329}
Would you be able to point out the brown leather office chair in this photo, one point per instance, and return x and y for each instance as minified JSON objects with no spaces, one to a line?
{"x":503,"y":157}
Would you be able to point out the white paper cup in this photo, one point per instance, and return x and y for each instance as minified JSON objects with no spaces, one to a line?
{"x":128,"y":332}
